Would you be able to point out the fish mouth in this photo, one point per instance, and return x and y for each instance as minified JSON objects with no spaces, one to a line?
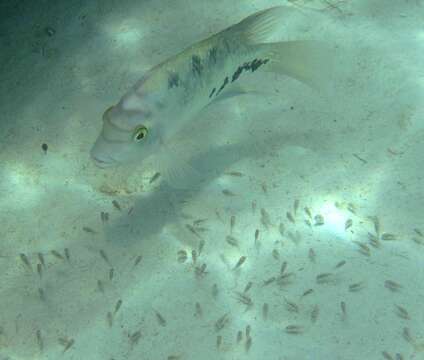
{"x":102,"y":162}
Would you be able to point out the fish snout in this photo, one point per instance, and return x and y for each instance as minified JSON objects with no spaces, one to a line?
{"x":100,"y":158}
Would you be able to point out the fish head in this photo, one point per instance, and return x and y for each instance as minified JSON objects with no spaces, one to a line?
{"x":127,"y":135}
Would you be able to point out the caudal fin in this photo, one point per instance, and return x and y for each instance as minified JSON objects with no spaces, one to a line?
{"x":309,"y":61}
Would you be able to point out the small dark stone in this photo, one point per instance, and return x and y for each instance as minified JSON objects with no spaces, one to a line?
{"x":44,"y":147}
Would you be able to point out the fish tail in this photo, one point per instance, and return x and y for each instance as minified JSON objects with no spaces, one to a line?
{"x":308,"y":61}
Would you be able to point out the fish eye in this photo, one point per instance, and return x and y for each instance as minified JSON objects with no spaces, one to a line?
{"x":140,"y":133}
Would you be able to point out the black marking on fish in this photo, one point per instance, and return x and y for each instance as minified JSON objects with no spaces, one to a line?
{"x":253,"y":66}
{"x":237,"y":73}
{"x":213,"y":52}
{"x":222,"y":86}
{"x":196,"y":64}
{"x":173,"y":80}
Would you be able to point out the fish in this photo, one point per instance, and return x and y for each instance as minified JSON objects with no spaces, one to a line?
{"x":150,"y":118}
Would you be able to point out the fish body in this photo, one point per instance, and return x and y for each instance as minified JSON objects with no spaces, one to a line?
{"x":160,"y":106}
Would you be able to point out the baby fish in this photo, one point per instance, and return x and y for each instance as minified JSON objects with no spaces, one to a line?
{"x":116,"y":205}
{"x":104,"y":256}
{"x":240,"y":262}
{"x":283,"y":267}
{"x":376,"y":222}
{"x":66,"y":343}
{"x":40,"y":270}
{"x":294,"y":329}
{"x":281,"y":229}
{"x":201,"y":245}
{"x":161,"y":320}
{"x":363,"y":248}
{"x":41,"y":258}
{"x":39,"y":340}
{"x":407,"y":335}
{"x":256,"y":235}
{"x":352,"y":208}
{"x":348,"y":224}
{"x":100,"y":286}
{"x":41,"y":294}
{"x":117,"y":306}
{"x":193,"y":230}
{"x":285,"y":279}
{"x":265,"y":310}
{"x":386,"y":355}
{"x":109,"y":318}
{"x":340,"y":264}
{"x":265,"y":219}
{"x":388,"y":237}
{"x":247,"y":331}
{"x":67,"y":254}
{"x":221,"y":322}
{"x":239,"y":336}
{"x":319,"y":220}
{"x":308,"y":212}
{"x":154,"y":177}
{"x":89,"y":230}
{"x":392,"y":285}
{"x":57,"y":254}
{"x":151,"y":116}
{"x":244,"y":299}
{"x":25,"y":260}
{"x":269,"y":280}
{"x":254,"y":206}
{"x":227,"y":192}
{"x":356,"y":287}
{"x":194,"y":256}
{"x":199,"y":311}
{"x":215,"y":290}
{"x":104,"y":216}
{"x":290,"y":217}
{"x":199,"y":222}
{"x":418,"y":232}
{"x":295,"y":206}
{"x":373,"y":240}
{"x":248,"y":286}
{"x":248,"y":344}
{"x":291,"y":306}
{"x":218,"y":341}
{"x":308,"y":292}
{"x":137,"y":260}
{"x":402,"y":312}
{"x":343,"y":308}
{"x":231,"y":240}
{"x":325,"y":278}
{"x":311,"y":255}
{"x":201,"y":270}
{"x":232,"y":223}
{"x":135,"y":337}
{"x":314,"y":314}
{"x":234,"y":173}
{"x":182,"y":256}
